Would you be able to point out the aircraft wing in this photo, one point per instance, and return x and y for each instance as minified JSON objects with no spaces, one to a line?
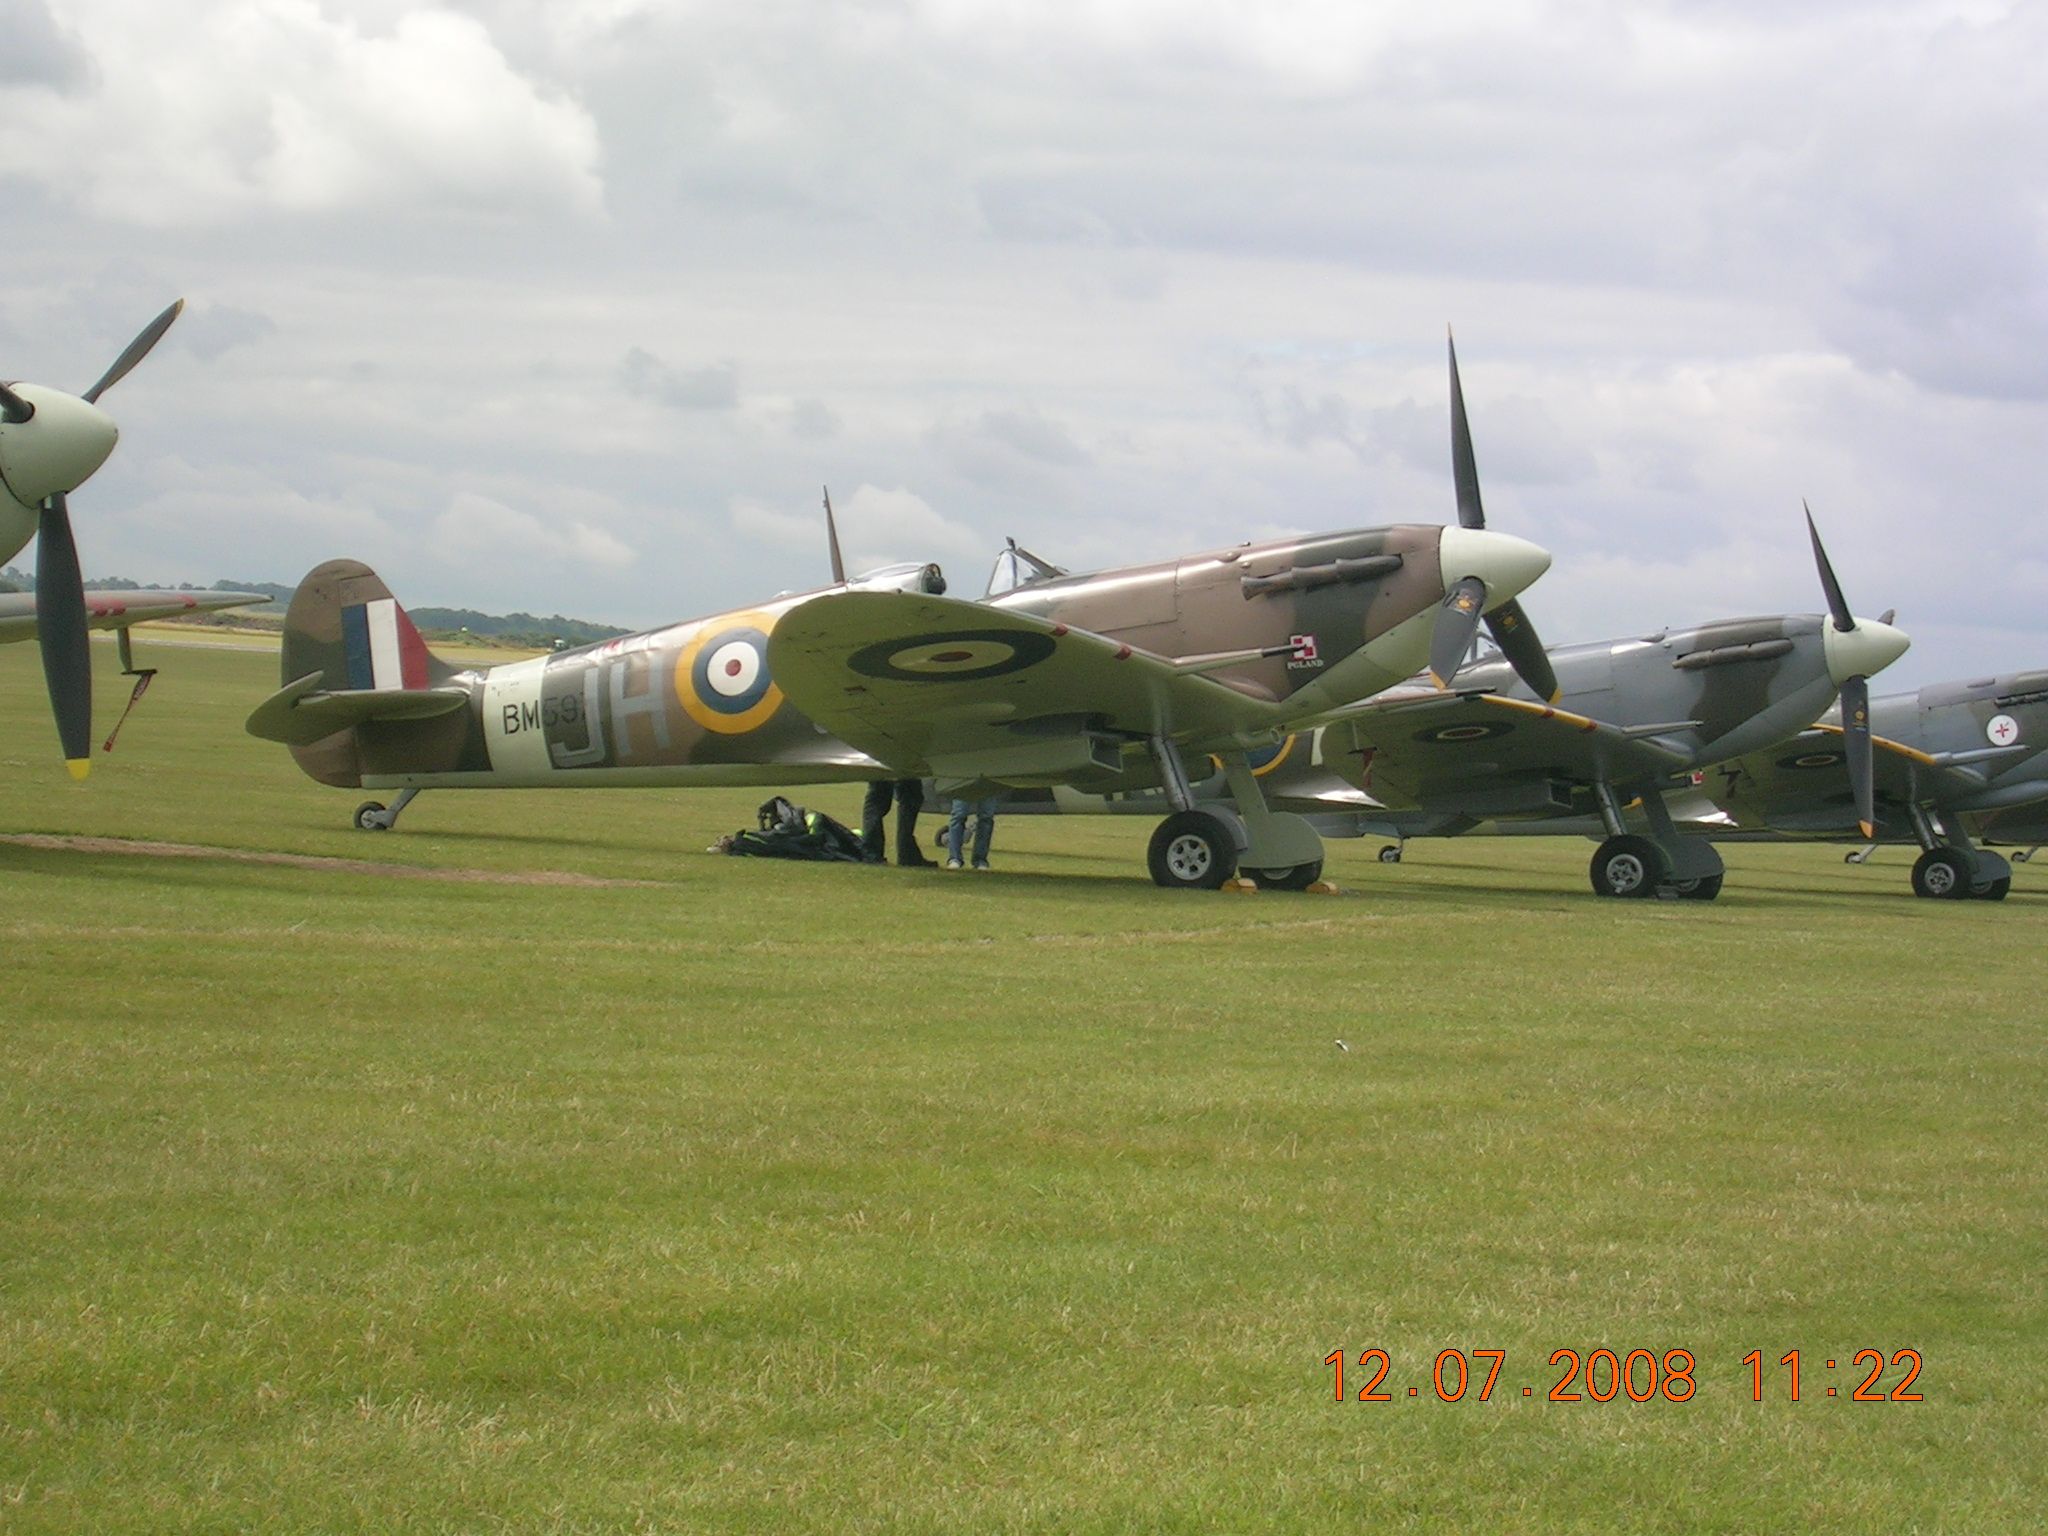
{"x":932,"y":685}
{"x":1802,"y":785}
{"x":118,"y":610}
{"x":1474,"y":749}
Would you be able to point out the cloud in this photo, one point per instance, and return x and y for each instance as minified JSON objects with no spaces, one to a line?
{"x":489,"y":533}
{"x":716,"y":388}
{"x":37,"y":51}
{"x":224,"y":111}
{"x":218,"y":328}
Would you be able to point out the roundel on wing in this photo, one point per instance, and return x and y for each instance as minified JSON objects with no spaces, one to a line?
{"x":1812,"y":760}
{"x":722,"y":678}
{"x":1262,"y":760}
{"x":1476,"y":730}
{"x":956,"y":656}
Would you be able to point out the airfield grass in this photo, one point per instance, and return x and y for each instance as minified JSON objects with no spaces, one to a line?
{"x":724,"y":1195}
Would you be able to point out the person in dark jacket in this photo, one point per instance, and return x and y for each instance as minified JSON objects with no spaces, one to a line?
{"x":908,"y":795}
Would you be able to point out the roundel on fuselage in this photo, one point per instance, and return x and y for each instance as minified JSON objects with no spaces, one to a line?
{"x":722,"y":678}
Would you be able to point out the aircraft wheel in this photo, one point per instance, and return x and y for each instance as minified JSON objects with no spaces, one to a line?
{"x":1706,"y":888}
{"x":1192,"y":851}
{"x":1940,"y":873}
{"x":1299,"y":878}
{"x":370,"y":817}
{"x":1391,"y":854}
{"x":1997,"y":890}
{"x":1627,"y":866}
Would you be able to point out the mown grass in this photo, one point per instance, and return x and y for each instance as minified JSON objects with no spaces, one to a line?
{"x":758,"y":1196}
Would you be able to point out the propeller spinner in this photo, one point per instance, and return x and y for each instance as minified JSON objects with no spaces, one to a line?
{"x":50,"y":444}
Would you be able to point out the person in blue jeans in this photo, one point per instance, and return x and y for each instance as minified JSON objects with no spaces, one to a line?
{"x":984,"y":814}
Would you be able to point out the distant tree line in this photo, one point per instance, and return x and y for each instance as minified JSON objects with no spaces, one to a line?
{"x":512,"y":629}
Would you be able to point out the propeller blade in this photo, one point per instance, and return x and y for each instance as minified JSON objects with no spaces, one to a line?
{"x":1856,"y":750}
{"x":137,"y":350}
{"x":1464,"y":468}
{"x":1457,"y":621}
{"x":832,"y":538}
{"x":1516,"y":637}
{"x":1838,"y":605}
{"x":60,"y":623}
{"x":13,"y":409}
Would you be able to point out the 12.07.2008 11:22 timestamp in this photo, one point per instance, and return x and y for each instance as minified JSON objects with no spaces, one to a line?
{"x":1602,"y":1376}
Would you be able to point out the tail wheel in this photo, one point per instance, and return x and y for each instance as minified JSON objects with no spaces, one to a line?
{"x":1941,"y":874}
{"x":1192,"y":851}
{"x":1706,"y":888}
{"x":1299,"y":878}
{"x":370,"y":817}
{"x":1627,"y":866}
{"x":1391,"y":854}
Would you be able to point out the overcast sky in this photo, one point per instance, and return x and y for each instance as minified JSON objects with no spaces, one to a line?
{"x":573,"y":305}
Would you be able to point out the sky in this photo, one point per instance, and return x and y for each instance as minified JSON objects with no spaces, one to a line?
{"x":575,"y":305}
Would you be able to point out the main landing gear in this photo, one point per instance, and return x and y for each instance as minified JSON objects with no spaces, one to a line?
{"x":1953,"y":868}
{"x":371,"y":816}
{"x":1630,"y":866}
{"x":1200,"y":849}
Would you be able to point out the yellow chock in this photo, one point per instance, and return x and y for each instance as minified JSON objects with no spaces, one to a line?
{"x":1239,"y":884}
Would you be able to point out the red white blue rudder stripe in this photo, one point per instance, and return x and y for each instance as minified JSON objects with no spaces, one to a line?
{"x":383,"y":648}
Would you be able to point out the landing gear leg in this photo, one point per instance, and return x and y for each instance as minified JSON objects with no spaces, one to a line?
{"x":1192,"y":850}
{"x":371,"y":816}
{"x":1952,"y":867}
{"x":1282,"y":851}
{"x":1693,"y":864}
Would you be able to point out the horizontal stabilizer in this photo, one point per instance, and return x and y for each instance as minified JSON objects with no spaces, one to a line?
{"x":301,"y":713}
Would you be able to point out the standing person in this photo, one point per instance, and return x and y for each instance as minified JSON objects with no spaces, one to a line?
{"x":874,"y":812}
{"x":984,"y":814}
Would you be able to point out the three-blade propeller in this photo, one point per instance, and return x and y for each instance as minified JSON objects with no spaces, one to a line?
{"x":1464,"y":604}
{"x":60,"y":588}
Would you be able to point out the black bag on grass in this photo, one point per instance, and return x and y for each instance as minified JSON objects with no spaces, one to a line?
{"x":789,"y":831}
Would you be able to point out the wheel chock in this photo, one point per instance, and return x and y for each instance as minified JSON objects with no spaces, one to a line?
{"x":1239,"y":884}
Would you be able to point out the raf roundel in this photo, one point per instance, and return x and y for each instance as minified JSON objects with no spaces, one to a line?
{"x":961,"y":656}
{"x":2002,"y":730}
{"x":722,"y":676}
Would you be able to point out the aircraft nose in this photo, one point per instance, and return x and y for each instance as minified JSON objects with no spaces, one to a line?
{"x":56,"y":449}
{"x":1505,"y":563}
{"x":1863,"y":651}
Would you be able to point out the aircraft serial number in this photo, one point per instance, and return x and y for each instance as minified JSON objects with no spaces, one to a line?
{"x":1604,"y":1375}
{"x":534,"y":714}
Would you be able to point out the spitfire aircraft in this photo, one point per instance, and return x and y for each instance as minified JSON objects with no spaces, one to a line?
{"x":1109,"y":681}
{"x":50,"y":444}
{"x":1579,"y":737}
{"x":1955,"y":764}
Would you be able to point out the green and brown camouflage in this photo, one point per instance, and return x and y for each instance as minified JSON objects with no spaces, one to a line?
{"x":1095,"y":680}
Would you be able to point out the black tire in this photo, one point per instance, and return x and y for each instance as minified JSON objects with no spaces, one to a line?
{"x":1942,"y":875}
{"x":1390,"y":854}
{"x":1192,"y":851}
{"x":1706,"y":888}
{"x":365,"y":813}
{"x":1627,"y":867}
{"x":1997,"y":890}
{"x":1299,"y":878}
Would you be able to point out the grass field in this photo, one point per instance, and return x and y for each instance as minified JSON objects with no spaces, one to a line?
{"x":714,"y":1195}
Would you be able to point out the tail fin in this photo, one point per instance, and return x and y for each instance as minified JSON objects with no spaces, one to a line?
{"x":345,"y":625}
{"x":351,"y":658}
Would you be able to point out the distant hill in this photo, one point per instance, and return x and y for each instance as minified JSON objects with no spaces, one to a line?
{"x":513,"y":629}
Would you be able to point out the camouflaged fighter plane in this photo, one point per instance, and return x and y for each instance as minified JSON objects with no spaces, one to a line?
{"x":1106,"y":681}
{"x":1956,"y":763}
{"x":50,"y":444}
{"x":1604,"y":731}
